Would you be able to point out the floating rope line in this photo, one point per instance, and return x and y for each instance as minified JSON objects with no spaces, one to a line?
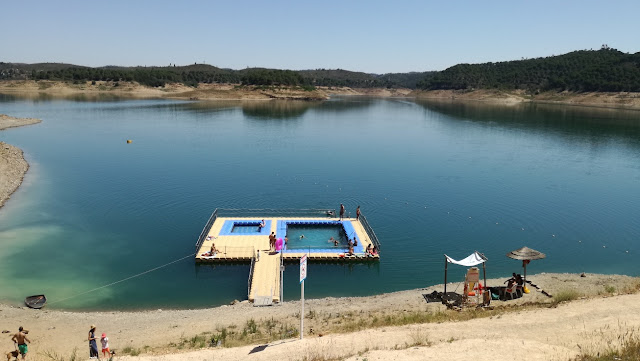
{"x":124,"y":279}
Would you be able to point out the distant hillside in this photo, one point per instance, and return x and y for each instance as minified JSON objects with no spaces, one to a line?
{"x":340,"y":78}
{"x":604,"y":70}
{"x":203,"y":73}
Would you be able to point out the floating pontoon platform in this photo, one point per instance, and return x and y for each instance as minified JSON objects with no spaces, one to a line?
{"x":238,"y":238}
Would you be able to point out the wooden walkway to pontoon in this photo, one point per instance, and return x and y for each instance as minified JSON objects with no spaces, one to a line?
{"x":265,"y":279}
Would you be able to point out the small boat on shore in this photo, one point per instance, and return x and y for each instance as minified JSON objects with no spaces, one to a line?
{"x":36,"y":301}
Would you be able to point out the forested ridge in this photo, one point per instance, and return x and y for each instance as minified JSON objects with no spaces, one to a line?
{"x":604,"y":70}
{"x":192,"y":75}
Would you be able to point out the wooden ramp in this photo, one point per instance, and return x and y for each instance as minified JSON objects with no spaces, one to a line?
{"x":265,"y":279}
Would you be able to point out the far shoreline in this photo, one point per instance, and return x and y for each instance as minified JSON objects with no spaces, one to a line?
{"x":618,"y":101}
{"x":237,"y":92}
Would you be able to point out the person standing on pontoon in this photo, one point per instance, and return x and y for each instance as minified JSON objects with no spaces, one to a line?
{"x":272,"y":241}
{"x":341,"y":211}
{"x":358,"y":213}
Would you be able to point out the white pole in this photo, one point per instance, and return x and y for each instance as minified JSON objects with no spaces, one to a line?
{"x":303,"y":276}
{"x":281,"y":279}
{"x":302,"y":311}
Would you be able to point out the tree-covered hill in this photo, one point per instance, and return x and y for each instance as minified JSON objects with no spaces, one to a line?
{"x":604,"y":70}
{"x":203,"y":73}
{"x":340,"y":78}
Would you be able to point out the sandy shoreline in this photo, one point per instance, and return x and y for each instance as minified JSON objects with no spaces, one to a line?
{"x":107,"y":89}
{"x":62,"y":331}
{"x":602,"y":100}
{"x":13,"y":166}
{"x":102,"y":89}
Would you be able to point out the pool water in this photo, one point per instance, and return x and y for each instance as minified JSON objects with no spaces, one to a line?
{"x":315,"y":236}
{"x":245,"y":229}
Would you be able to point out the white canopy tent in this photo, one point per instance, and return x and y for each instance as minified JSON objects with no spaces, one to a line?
{"x":472,"y":260}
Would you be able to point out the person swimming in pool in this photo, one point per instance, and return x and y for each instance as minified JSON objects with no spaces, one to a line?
{"x":302,"y":236}
{"x":334,"y":241}
{"x":261,"y":225}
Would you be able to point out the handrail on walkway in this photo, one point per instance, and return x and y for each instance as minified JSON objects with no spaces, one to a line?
{"x":370,"y":232}
{"x":253,"y":263}
{"x":270,"y":212}
{"x":206,"y":229}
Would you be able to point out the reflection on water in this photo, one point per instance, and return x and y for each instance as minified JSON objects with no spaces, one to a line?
{"x":550,"y":118}
{"x":282,"y":109}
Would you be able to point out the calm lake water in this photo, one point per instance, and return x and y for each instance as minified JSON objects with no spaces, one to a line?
{"x":432,"y":178}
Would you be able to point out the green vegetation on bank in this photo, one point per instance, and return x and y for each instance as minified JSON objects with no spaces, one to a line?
{"x":272,"y":77}
{"x":604,"y":70}
{"x":195,"y":74}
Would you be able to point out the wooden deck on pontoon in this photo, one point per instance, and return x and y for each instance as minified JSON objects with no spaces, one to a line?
{"x":245,"y":247}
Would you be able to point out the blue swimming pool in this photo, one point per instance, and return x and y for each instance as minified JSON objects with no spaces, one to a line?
{"x":245,"y":228}
{"x":315,"y":236}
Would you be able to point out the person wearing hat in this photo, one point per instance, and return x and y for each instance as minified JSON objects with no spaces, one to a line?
{"x":93,"y":346}
{"x":104,"y":340}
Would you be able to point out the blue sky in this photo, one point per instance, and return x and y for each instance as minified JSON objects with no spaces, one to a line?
{"x":369,"y":36}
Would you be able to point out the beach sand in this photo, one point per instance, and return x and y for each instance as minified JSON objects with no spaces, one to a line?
{"x":549,"y":331}
{"x":622,"y":100}
{"x":102,"y":89}
{"x":13,"y":166}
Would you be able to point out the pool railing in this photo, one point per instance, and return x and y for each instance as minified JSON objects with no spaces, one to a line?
{"x":282,"y":213}
{"x":370,"y":232}
{"x":206,"y":229}
{"x":253,"y":263}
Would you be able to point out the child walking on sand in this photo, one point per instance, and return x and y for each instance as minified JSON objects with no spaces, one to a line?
{"x":105,"y":345}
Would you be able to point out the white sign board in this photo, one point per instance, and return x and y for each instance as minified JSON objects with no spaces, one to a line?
{"x":303,"y":268}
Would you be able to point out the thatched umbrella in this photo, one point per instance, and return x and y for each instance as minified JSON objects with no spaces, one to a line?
{"x":526,"y":254}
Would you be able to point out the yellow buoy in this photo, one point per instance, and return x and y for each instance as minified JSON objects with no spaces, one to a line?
{"x":128,"y":141}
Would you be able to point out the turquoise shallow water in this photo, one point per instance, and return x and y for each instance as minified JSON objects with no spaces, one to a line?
{"x":432,"y":178}
{"x":316,"y":237}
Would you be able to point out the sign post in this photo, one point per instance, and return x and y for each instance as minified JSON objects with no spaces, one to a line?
{"x":303,"y":276}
